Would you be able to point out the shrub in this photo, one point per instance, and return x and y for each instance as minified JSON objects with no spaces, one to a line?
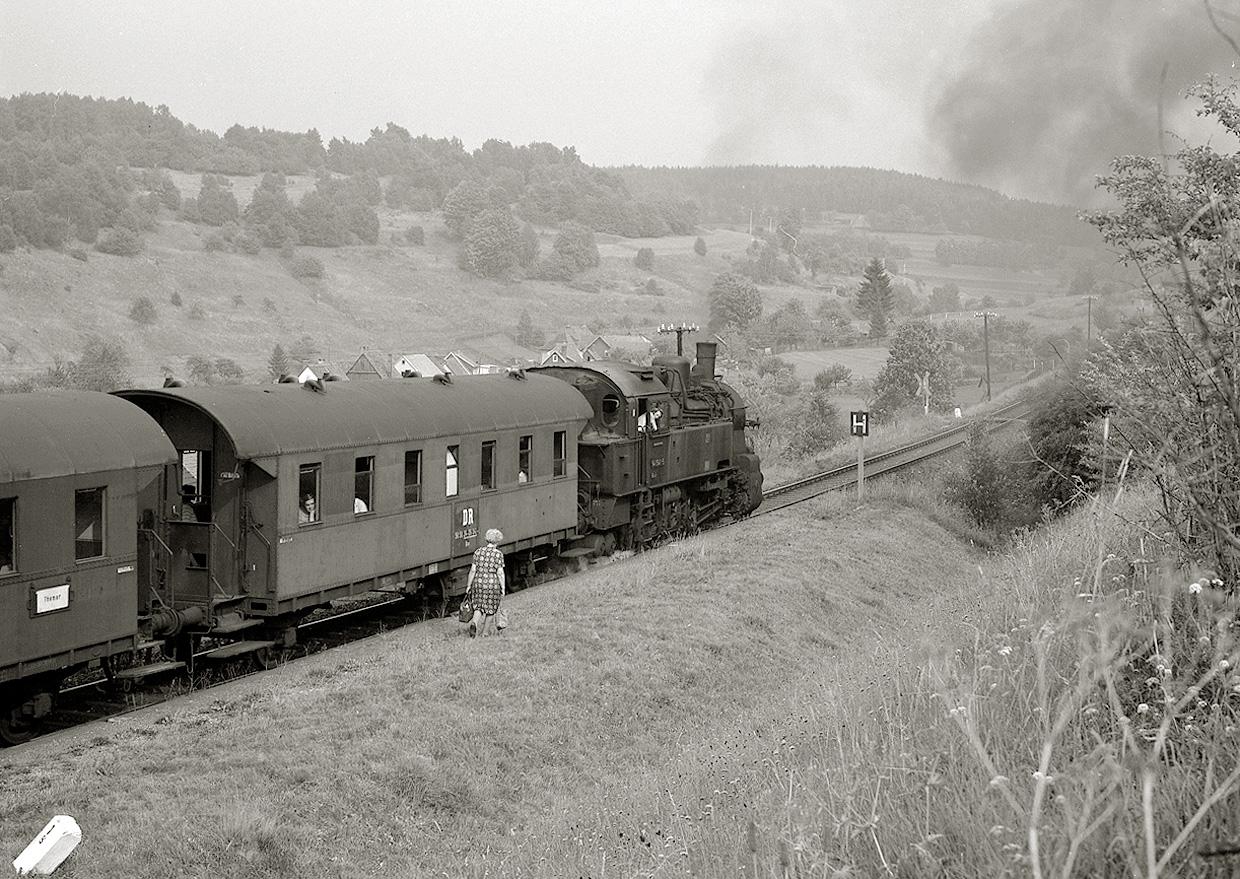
{"x":699,"y":246}
{"x":644,"y":259}
{"x":215,"y":242}
{"x":175,"y":299}
{"x":142,"y":311}
{"x":304,"y":266}
{"x":119,"y":242}
{"x":247,"y":242}
{"x":78,"y":253}
{"x":197,"y":312}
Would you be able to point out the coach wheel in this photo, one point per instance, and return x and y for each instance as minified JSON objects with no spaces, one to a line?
{"x":266,"y":657}
{"x":16,"y":728}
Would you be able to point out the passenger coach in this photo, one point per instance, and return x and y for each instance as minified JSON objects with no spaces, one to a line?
{"x":77,"y":473}
{"x":287,"y":496}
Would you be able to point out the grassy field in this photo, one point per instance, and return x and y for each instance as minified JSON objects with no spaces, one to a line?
{"x":835,"y":691}
{"x":635,"y":716}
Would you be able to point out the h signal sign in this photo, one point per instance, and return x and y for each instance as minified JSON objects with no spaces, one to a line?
{"x":860,"y":424}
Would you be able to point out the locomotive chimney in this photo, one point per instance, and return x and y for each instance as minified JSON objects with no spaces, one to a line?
{"x":706,"y":361}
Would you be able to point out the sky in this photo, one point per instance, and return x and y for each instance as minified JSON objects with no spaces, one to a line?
{"x":1029,"y":96}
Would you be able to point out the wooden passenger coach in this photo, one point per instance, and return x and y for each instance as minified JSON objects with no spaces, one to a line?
{"x":77,"y":472}
{"x":291,"y":495}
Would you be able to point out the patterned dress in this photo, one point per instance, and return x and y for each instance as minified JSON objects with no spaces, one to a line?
{"x":486,"y":591}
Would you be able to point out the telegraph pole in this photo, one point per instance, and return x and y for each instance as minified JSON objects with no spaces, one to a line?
{"x":986,"y":316}
{"x":1089,"y":322}
{"x":665,"y":329}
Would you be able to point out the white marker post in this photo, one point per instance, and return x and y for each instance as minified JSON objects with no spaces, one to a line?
{"x":49,"y":849}
{"x":860,"y":428}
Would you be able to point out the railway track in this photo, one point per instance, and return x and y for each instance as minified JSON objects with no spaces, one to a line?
{"x":789,"y":493}
{"x":99,"y":699}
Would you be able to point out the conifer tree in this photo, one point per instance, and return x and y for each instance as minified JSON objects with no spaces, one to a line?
{"x":876,"y":298}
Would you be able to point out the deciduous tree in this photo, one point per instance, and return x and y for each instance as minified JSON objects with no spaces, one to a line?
{"x":734,"y":301}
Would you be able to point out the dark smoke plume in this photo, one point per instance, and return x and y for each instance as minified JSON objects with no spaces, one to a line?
{"x":1051,"y":90}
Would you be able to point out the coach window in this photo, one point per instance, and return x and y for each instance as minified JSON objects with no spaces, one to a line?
{"x":363,"y":484}
{"x":525,"y":453}
{"x":8,"y":545}
{"x":88,"y":523}
{"x":413,"y":477}
{"x":488,"y":465}
{"x":451,"y":466}
{"x":308,"y":494}
{"x":559,"y":453}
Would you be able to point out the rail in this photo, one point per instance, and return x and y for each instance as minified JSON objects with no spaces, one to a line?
{"x":936,"y":443}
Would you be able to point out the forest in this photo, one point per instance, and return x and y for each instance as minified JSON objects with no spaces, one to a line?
{"x":91,"y":170}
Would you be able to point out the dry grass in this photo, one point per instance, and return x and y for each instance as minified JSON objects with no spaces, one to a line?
{"x":637,"y":703}
{"x":835,"y":692}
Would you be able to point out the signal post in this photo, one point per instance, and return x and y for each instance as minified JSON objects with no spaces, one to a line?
{"x":860,"y":428}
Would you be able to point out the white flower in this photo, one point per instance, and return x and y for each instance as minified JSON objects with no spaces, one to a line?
{"x":1194,"y":587}
{"x":1005,"y":650}
{"x":1142,"y":708}
{"x":1216,"y":583}
{"x":1039,"y":776}
{"x":998,"y":780}
{"x":1224,"y":664}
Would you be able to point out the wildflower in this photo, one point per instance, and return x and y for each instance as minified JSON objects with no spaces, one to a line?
{"x":1039,"y":775}
{"x":1224,"y":664}
{"x":998,"y":780}
{"x":1142,"y":708}
{"x":1194,"y":587}
{"x":1005,"y":650}
{"x":1216,"y":583}
{"x":1151,"y":682}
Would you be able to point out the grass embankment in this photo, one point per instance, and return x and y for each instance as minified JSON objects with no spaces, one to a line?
{"x":781,"y":699}
{"x":635,"y":717}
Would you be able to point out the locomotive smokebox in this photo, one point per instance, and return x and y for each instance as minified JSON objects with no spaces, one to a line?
{"x":705,"y":369}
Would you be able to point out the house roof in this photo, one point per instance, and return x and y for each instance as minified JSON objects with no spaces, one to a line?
{"x":367,"y":365}
{"x":633,"y":342}
{"x":422,"y":364}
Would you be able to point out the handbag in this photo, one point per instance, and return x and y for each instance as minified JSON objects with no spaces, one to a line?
{"x":466,"y":613}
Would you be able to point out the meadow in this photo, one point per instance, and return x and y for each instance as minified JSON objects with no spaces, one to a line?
{"x":828,"y":691}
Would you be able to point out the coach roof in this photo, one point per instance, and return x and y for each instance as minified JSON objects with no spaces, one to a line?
{"x":60,"y":433}
{"x":265,"y":421}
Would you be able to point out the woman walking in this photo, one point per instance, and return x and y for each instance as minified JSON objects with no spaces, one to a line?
{"x":486,"y":583}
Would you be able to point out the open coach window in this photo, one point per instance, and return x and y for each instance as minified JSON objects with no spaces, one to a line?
{"x":451,"y":468}
{"x":363,"y":485}
{"x":8,"y":544}
{"x":413,"y":477}
{"x":308,"y":494}
{"x":559,"y":453}
{"x":88,"y":523}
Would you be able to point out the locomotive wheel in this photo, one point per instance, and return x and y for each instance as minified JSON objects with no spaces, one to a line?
{"x":14,"y":728}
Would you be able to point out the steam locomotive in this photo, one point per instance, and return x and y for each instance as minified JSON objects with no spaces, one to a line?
{"x":139,"y":527}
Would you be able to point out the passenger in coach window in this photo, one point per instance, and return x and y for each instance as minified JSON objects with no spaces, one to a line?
{"x":308,"y":511}
{"x":486,"y":584}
